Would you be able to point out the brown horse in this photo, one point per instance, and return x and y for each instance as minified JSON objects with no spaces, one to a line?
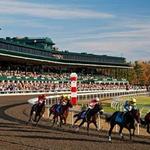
{"x":63,"y":114}
{"x":39,"y":110}
{"x":146,"y":121}
{"x":90,"y":117}
{"x":124,"y":120}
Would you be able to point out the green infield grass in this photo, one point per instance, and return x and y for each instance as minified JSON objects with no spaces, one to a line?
{"x":143,"y":103}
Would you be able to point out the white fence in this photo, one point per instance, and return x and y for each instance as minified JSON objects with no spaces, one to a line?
{"x":87,"y":95}
{"x":101,"y":94}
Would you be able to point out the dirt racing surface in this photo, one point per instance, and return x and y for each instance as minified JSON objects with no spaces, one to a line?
{"x":16,"y":135}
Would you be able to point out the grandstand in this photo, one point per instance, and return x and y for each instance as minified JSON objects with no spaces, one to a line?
{"x":26,"y":62}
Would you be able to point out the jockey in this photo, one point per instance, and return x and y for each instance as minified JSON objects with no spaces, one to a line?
{"x":62,"y":102}
{"x":130,"y":104}
{"x":133,"y":103}
{"x":65,"y":99}
{"x":126,"y":106}
{"x":92,"y":105}
{"x":41,"y":98}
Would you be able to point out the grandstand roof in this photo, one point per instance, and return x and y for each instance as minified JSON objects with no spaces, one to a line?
{"x":10,"y":48}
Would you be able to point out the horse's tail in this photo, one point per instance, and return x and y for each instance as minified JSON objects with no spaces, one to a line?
{"x":142,"y":121}
{"x":108,"y":119}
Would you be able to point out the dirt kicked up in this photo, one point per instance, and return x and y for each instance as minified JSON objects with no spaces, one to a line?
{"x":16,"y":135}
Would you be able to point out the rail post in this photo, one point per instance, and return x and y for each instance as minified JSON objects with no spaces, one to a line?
{"x":99,"y":122}
{"x":73,"y":78}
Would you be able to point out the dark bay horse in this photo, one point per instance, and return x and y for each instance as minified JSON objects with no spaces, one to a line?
{"x":124,"y":120}
{"x":62,"y":115}
{"x":146,"y":121}
{"x":90,"y":117}
{"x":39,"y":110}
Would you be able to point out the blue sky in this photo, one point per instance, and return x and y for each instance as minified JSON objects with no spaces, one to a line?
{"x":110,"y":27}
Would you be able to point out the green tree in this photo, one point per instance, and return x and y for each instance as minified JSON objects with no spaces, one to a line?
{"x":139,"y":73}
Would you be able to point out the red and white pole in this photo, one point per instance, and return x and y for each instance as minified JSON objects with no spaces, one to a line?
{"x":73,"y":78}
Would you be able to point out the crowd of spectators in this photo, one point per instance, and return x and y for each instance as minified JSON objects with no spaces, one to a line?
{"x":56,"y":82}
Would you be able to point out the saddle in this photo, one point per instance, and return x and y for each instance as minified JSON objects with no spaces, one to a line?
{"x":58,"y":108}
{"x":83,"y":114}
{"x":120,"y":117}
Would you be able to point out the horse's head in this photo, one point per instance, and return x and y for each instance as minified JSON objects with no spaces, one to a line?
{"x":136,"y":114}
{"x":43,"y":102}
{"x":147,"y":117}
{"x":69,"y":104}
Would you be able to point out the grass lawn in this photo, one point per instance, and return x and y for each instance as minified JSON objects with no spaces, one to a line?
{"x":143,"y":103}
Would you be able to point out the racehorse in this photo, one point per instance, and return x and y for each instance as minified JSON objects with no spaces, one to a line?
{"x":90,"y":117}
{"x":39,"y":110}
{"x":147,"y":121}
{"x":62,"y":115}
{"x":124,"y":120}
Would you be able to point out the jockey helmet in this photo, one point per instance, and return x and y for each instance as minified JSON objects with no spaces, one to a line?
{"x":97,"y":99}
{"x":66,"y":97}
{"x":43,"y":95}
{"x":133,"y":100}
{"x":93,"y":101}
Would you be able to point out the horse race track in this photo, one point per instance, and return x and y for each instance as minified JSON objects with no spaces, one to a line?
{"x":16,"y":135}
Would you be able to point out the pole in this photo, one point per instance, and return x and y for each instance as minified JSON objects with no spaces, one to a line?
{"x":73,"y":78}
{"x":138,"y":128}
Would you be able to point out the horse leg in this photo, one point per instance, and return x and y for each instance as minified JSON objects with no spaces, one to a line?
{"x":148,"y":125}
{"x":50,"y":114}
{"x":61,"y":122}
{"x":130,"y":134}
{"x":120,"y":132}
{"x":110,"y":131}
{"x":95,"y":123}
{"x":75,"y":122}
{"x":35,"y":117}
{"x":64,"y":120}
{"x":133,"y":131}
{"x":31,"y":113}
{"x":54,"y":117}
{"x":38,"y":120}
{"x":77,"y":129}
{"x":88,"y":124}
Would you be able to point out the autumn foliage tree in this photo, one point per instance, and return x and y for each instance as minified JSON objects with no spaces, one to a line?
{"x":140,"y":73}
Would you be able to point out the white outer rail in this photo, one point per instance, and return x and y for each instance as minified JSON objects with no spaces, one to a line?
{"x":89,"y":95}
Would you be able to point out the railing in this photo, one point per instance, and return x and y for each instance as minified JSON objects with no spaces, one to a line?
{"x":66,"y":91}
{"x":84,"y":95}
